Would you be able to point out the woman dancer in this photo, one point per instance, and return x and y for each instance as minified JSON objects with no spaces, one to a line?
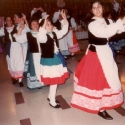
{"x":97,"y":85}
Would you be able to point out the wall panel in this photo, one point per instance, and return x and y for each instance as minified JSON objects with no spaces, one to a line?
{"x":9,"y":7}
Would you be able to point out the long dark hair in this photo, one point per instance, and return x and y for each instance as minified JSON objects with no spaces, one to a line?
{"x":94,"y":1}
{"x":37,"y":14}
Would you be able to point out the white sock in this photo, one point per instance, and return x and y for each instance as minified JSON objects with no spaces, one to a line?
{"x":20,"y":79}
{"x":52,"y":94}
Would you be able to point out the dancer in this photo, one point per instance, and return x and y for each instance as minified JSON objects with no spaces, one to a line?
{"x":33,"y":55}
{"x":14,"y":52}
{"x":68,"y":44}
{"x":96,"y":82}
{"x":53,"y":65}
{"x":71,"y":37}
{"x":22,"y":26}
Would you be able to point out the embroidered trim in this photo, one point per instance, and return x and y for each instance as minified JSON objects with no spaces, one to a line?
{"x":16,"y":74}
{"x":74,"y":48}
{"x":94,"y":105}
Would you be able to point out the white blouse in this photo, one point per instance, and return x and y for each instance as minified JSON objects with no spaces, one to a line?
{"x":42,"y":38}
{"x":73,"y":23}
{"x":9,"y":30}
{"x":22,"y":38}
{"x":99,"y":28}
{"x":56,"y":16}
{"x":2,"y":32}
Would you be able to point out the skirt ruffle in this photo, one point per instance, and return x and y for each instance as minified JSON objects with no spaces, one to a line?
{"x":54,"y":70}
{"x":92,"y":91}
{"x":32,"y":80}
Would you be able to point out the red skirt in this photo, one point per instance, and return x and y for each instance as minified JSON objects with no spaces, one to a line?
{"x":92,"y":91}
{"x":75,"y":48}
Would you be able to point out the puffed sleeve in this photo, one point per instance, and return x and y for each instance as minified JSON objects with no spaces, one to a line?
{"x":101,"y":30}
{"x":63,"y":31}
{"x":73,"y":23}
{"x":41,"y":36}
{"x":56,"y":16}
{"x":43,"y":15}
{"x":2,"y":32}
{"x":20,"y":38}
{"x":25,"y":30}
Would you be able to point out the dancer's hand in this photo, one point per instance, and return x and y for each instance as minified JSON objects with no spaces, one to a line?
{"x":63,"y":14}
{"x":123,"y":20}
{"x":41,"y":9}
{"x":45,"y":21}
{"x":24,"y":16}
{"x":22,"y":26}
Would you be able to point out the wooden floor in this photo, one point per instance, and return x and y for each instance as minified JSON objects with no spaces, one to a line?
{"x":21,"y":106}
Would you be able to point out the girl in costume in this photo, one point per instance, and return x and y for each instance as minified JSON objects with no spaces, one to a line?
{"x":14,"y":51}
{"x":33,"y":55}
{"x":97,"y":87}
{"x":53,"y":65}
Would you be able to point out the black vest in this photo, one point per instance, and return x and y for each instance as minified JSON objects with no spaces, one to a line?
{"x":57,"y":24}
{"x":32,"y":43}
{"x":95,"y":40}
{"x":48,"y":47}
{"x":7,"y":39}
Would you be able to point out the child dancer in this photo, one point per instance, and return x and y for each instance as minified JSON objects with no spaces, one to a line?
{"x":53,"y":66}
{"x":33,"y":56}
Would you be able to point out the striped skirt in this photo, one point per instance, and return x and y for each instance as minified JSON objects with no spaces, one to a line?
{"x":54,"y":70}
{"x":30,"y":72}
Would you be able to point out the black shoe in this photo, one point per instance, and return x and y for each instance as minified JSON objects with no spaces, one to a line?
{"x":105,"y":115}
{"x":21,"y":84}
{"x":14,"y":81}
{"x":40,"y":87}
{"x":57,"y":106}
{"x":56,"y":100}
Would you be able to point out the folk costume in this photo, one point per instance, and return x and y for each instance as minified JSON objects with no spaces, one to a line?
{"x":15,"y":53}
{"x":68,"y":44}
{"x":33,"y":60}
{"x":53,"y":65}
{"x":96,"y":83}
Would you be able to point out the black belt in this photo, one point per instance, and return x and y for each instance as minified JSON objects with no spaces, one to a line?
{"x":92,"y":48}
